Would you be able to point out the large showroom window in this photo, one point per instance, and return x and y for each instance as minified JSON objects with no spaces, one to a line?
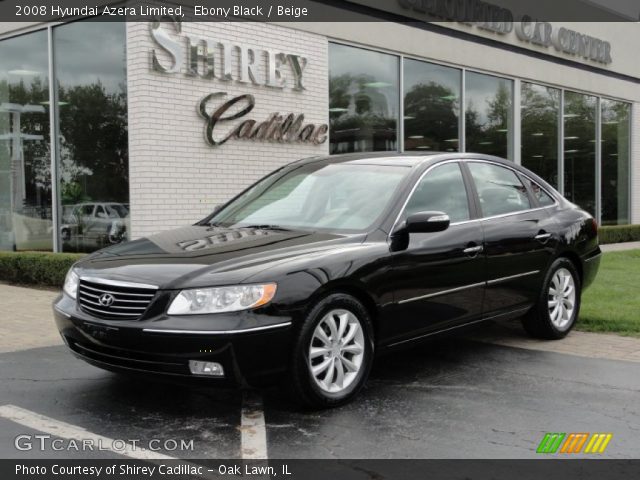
{"x":431,"y":106}
{"x":90,"y":69}
{"x":580,"y":150}
{"x":615,"y":162}
{"x":25,"y":160}
{"x":364,"y":100}
{"x":540,"y":115}
{"x":488,"y":114}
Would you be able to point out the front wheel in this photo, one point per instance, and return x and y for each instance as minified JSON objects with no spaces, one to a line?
{"x":556,"y":311}
{"x":333,"y":353}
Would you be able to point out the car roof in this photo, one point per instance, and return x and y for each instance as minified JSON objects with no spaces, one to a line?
{"x":406,"y":159}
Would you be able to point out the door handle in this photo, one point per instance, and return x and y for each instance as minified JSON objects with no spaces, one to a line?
{"x":473,"y":251}
{"x":543,"y":237}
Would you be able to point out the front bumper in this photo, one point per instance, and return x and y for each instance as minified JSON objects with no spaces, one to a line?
{"x":253,"y":349}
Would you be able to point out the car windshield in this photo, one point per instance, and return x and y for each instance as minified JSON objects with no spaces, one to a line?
{"x":342,"y":197}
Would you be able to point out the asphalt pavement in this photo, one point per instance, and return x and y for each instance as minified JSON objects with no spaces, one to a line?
{"x":452,"y":398}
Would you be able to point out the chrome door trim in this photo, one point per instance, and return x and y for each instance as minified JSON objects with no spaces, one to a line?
{"x":442,"y":292}
{"x":511,"y":277}
{"x":216,"y":332}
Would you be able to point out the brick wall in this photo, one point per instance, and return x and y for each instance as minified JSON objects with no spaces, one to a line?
{"x":175,"y":177}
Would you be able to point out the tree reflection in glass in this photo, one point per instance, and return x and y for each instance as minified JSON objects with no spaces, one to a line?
{"x":363,"y":100}
{"x":580,"y":150}
{"x":431,"y":107}
{"x":489,"y":114}
{"x":539,"y":138}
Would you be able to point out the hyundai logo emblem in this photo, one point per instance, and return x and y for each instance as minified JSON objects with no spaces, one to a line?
{"x":106,"y":299}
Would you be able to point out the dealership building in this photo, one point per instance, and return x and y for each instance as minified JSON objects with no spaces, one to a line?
{"x":112,"y":130}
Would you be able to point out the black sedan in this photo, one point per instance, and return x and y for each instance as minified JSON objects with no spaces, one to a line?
{"x":308,"y":274}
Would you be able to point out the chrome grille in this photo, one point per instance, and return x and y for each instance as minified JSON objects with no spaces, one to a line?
{"x":119,"y":302}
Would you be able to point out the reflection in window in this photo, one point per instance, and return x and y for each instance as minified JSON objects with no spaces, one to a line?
{"x":431,"y":106}
{"x":580,"y":150}
{"x":489,"y":114}
{"x":499,"y":189}
{"x":363,"y":100}
{"x":25,"y":168}
{"x":441,"y":190}
{"x":615,"y":162}
{"x":91,"y":73}
{"x":540,"y":117}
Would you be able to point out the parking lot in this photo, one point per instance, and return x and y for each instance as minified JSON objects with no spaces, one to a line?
{"x":451,"y":398}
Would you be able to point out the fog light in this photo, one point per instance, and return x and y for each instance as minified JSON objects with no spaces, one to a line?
{"x":206,"y":368}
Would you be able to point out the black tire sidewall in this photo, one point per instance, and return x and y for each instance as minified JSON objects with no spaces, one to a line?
{"x":305,"y":387}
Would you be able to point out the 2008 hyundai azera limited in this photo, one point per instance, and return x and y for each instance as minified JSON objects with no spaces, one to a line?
{"x":322,"y":264}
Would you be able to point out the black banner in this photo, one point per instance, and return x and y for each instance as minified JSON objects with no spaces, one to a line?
{"x":498,"y":14}
{"x":320,"y":469}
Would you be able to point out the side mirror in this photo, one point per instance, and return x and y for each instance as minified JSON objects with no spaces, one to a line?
{"x":102,"y":215}
{"x":427,"y":222}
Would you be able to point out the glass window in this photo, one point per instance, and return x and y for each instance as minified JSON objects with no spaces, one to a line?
{"x":499,"y":189}
{"x":94,"y":162}
{"x":540,"y":117}
{"x":317,"y":196}
{"x":489,"y":114}
{"x":441,"y":190}
{"x":364,"y":100}
{"x":615,"y":162}
{"x":544,"y":199}
{"x":580,"y":150}
{"x":25,"y":150}
{"x":431,"y":106}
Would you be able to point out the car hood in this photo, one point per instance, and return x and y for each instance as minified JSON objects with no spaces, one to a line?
{"x":203,"y":256}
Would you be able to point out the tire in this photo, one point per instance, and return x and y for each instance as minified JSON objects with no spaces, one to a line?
{"x":354,"y":358}
{"x":546,"y":320}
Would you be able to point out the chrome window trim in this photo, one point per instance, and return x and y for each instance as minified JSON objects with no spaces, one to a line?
{"x":218,"y":332}
{"x":118,"y":283}
{"x":477,"y":160}
{"x":415,"y":186}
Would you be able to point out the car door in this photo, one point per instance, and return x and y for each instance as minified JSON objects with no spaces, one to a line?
{"x":438,"y":279}
{"x":518,"y":238}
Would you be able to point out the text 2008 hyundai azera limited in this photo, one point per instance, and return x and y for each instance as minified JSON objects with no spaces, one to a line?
{"x":308,"y":273}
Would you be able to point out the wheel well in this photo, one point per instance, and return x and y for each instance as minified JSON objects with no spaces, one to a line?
{"x":575,"y":259}
{"x":364,"y":298}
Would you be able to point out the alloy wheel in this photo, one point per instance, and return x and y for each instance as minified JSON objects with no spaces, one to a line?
{"x":562,"y":298}
{"x":336,"y":351}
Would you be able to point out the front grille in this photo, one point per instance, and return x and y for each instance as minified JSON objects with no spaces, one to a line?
{"x":118,"y":302}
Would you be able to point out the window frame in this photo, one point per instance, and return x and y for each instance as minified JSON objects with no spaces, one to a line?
{"x":535,"y":205}
{"x":470,"y":203}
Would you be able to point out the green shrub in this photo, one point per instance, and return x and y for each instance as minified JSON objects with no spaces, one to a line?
{"x":619,"y":234}
{"x":36,"y":268}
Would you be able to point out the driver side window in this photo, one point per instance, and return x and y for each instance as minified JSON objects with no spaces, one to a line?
{"x":441,"y":190}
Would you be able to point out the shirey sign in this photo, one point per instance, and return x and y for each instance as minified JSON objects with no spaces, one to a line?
{"x":212,"y":60}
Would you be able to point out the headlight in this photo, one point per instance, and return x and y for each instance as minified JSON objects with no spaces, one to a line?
{"x":221,"y":299}
{"x":71,"y":283}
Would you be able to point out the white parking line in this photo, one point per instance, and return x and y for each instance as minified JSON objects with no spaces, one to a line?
{"x":66,"y":430}
{"x":253,"y":433}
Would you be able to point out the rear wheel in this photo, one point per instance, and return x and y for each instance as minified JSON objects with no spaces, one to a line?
{"x":556,"y":311}
{"x":333,"y":353}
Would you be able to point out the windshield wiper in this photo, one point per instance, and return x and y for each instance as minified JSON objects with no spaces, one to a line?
{"x":267,"y":227}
